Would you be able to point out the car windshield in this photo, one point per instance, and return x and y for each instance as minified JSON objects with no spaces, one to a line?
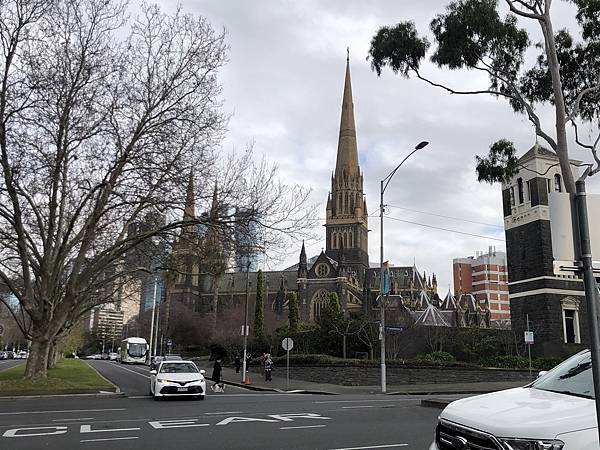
{"x":136,"y":350}
{"x":573,"y":377}
{"x":178,"y":368}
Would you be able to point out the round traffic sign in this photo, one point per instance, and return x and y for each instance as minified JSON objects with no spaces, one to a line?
{"x":287,"y":344}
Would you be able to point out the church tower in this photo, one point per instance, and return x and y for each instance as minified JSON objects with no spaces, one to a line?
{"x":346,"y":215}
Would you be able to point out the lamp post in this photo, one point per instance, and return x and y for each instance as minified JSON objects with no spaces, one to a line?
{"x":382,"y":299}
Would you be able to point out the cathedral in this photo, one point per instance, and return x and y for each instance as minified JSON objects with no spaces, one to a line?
{"x":342,"y":267}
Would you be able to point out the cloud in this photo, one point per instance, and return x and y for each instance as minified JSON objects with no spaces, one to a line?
{"x":283,"y":86}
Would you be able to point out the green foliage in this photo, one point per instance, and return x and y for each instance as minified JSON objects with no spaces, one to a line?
{"x":398,"y":47}
{"x":259,"y":308}
{"x":474,"y":344}
{"x":499,"y":165}
{"x":294,"y":313}
{"x":506,"y":361}
{"x":435,"y":357}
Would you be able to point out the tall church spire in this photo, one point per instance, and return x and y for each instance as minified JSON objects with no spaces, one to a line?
{"x":190,"y":205}
{"x":347,"y":153}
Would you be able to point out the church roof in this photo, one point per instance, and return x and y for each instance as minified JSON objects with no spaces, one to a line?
{"x":537,"y":150}
{"x":347,"y":154}
{"x":310,"y":263}
{"x":449,"y":301}
{"x":433,"y":317}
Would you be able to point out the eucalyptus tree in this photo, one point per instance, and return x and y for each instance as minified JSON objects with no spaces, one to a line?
{"x":477,"y":35}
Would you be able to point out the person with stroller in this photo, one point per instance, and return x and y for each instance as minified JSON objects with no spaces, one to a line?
{"x":268,"y":367}
{"x":218,"y":385}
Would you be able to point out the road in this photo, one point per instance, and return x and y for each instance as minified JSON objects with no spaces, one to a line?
{"x":236,"y":419}
{"x":8,"y":363}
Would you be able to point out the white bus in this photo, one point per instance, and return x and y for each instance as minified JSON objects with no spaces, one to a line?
{"x":134,"y":350}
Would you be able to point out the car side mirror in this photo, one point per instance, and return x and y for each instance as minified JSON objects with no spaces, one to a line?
{"x":202,"y":372}
{"x":542,"y":373}
{"x":153,"y":372}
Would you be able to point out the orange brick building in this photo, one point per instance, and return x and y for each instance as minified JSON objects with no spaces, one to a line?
{"x":486,"y":277}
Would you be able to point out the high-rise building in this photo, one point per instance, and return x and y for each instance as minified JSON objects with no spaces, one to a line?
{"x":485,"y":277}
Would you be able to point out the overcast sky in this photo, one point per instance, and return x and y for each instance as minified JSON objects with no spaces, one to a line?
{"x":283,"y":86}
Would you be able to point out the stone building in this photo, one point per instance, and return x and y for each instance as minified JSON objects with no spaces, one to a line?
{"x":342,"y":267}
{"x":552,"y":299}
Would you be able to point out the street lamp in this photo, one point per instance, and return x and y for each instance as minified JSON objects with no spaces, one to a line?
{"x":245,"y":328}
{"x":384,"y":185}
{"x":153,"y":313}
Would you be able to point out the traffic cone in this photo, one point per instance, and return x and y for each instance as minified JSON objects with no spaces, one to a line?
{"x":247,"y":380}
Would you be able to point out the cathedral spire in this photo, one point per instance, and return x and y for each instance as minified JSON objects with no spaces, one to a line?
{"x":215,"y":203}
{"x":190,"y":206}
{"x":302,"y":266}
{"x":347,"y":154}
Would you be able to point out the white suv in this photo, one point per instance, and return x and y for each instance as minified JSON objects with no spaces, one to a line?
{"x":555,"y":412}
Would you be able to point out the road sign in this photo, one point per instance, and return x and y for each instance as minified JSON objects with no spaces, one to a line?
{"x":287,"y":344}
{"x":169,"y":342}
{"x":247,"y":330}
{"x":1,"y":329}
{"x":529,"y":337}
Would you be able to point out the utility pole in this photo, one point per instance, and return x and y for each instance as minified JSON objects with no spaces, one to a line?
{"x":152,"y":321}
{"x":589,"y":282}
{"x":245,"y":329}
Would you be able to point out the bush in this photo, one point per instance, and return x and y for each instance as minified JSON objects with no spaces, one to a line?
{"x":506,"y":362}
{"x":546,"y":363}
{"x":435,"y":357}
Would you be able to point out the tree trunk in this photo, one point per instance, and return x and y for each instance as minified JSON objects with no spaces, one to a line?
{"x":215,"y":305}
{"x":344,"y":346}
{"x":37,"y":362}
{"x":562,"y":150}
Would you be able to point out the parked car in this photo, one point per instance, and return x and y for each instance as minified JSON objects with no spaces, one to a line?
{"x":113,"y":356}
{"x":21,"y":355}
{"x":555,"y":412}
{"x":3,"y":355}
{"x":10,"y":354}
{"x":177,"y":378}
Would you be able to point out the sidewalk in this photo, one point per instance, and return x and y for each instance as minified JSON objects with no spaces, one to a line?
{"x":278,"y":384}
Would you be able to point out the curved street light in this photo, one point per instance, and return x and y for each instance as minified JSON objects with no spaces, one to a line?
{"x":384,"y":185}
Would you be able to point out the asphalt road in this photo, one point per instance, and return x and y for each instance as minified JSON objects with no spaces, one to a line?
{"x":236,"y":419}
{"x":8,"y":363}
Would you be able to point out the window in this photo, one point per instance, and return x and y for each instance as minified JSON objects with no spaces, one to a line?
{"x":557,"y":184}
{"x":520,"y":190}
{"x":570,"y":310}
{"x":529,"y":184}
{"x":548,"y":183}
{"x":512,"y":196}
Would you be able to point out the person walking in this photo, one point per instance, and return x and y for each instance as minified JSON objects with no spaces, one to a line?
{"x":238,"y":363}
{"x":218,"y":385}
{"x":268,"y":368}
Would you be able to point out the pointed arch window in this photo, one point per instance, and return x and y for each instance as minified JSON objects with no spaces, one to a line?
{"x":319,"y":302}
{"x":557,"y":183}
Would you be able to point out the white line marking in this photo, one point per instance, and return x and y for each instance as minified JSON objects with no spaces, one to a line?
{"x":70,"y":420}
{"x":369,"y":401}
{"x":372,"y":446}
{"x":226,"y":412}
{"x":60,"y":412}
{"x":132,"y":371}
{"x":110,"y":439}
{"x":358,"y":406}
{"x":306,"y":426}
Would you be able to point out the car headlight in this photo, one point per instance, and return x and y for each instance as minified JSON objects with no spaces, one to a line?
{"x":163,"y":380}
{"x":531,"y":444}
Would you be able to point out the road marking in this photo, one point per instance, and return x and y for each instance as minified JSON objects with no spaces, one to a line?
{"x":305,"y":426}
{"x":358,"y":406}
{"x":226,"y":412}
{"x":110,"y":439}
{"x":132,"y":371}
{"x":370,"y":401}
{"x":69,"y":420}
{"x":60,"y":412}
{"x":372,"y":446}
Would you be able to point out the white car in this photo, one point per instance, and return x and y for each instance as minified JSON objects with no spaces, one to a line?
{"x":555,"y":412}
{"x":177,"y":379}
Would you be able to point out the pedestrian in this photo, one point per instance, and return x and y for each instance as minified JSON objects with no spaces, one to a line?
{"x":218,"y":385}
{"x":238,"y":363}
{"x":268,"y":368}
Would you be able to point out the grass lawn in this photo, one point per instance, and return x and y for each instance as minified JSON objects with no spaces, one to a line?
{"x":69,"y":376}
